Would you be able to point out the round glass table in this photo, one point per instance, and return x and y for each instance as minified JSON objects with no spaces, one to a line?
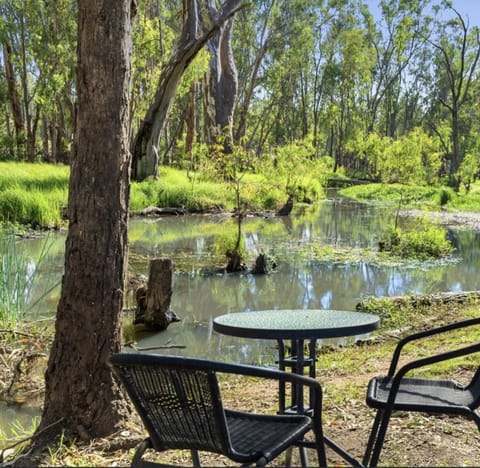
{"x":298,"y":325}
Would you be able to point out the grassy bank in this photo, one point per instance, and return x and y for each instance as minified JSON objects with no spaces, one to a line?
{"x":33,"y":194}
{"x":37,"y":194}
{"x":416,"y":197}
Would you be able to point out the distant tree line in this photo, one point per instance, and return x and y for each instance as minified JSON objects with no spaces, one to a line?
{"x":393,"y":96}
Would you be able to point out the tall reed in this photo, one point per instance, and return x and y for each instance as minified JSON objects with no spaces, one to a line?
{"x":18,"y":273}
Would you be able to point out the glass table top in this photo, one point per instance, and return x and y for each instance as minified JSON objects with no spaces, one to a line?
{"x":296,"y":324}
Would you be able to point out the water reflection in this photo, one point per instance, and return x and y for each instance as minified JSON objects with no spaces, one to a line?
{"x":300,"y":281}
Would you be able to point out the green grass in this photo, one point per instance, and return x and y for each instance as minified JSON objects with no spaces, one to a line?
{"x":174,"y":188}
{"x":416,"y":197}
{"x":411,"y":196}
{"x":33,"y":194}
{"x":467,"y":201}
{"x":37,"y":194}
{"x":36,"y":177}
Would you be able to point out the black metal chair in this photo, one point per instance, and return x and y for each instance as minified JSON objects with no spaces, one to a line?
{"x":179,"y":401}
{"x":442,"y":396}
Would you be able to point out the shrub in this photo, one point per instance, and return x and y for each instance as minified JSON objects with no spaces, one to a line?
{"x":425,"y":242}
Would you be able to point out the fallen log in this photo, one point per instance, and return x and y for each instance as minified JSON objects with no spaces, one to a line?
{"x":156,"y":211}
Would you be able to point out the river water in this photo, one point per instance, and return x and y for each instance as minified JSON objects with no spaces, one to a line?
{"x":300,"y":279}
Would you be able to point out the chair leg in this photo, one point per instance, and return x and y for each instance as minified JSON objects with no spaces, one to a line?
{"x":476,"y":418}
{"x":303,"y":457}
{"x":195,"y":458}
{"x":381,"y":432}
{"x":137,"y":458}
{"x":320,"y":445}
{"x":372,"y":437}
{"x":260,"y":462}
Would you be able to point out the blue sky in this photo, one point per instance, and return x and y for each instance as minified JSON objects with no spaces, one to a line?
{"x":470,"y":9}
{"x":467,"y":8}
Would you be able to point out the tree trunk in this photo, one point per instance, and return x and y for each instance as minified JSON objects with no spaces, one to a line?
{"x":195,"y":34}
{"x":14,"y":97}
{"x":191,"y":124}
{"x":153,"y":301}
{"x":222,"y":87}
{"x":81,"y":395}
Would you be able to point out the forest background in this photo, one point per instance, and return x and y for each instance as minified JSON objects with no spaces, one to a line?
{"x":385,"y":91}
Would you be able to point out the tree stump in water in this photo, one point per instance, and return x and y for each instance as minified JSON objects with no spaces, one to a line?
{"x":153,"y":300}
{"x":261,"y":265}
{"x":235,"y":262}
{"x":287,"y":208}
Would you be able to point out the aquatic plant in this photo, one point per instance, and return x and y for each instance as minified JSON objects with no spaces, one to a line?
{"x":18,"y":272}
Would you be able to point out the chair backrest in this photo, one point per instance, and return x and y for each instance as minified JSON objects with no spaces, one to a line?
{"x":178,"y":400}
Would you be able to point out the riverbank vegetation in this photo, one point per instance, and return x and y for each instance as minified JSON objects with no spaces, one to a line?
{"x":429,"y":198}
{"x":37,"y":194}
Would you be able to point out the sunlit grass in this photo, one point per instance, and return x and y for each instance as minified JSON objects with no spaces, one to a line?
{"x":174,"y":188}
{"x":44,"y":177}
{"x":17,"y":433}
{"x":33,"y":194}
{"x":417,"y":197}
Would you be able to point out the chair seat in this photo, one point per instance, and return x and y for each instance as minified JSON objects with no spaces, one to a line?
{"x":421,"y":395}
{"x":266,"y":434}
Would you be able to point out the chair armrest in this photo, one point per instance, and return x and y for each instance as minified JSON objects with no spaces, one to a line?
{"x":418,"y":363}
{"x":263,"y":372}
{"x":424,"y":334}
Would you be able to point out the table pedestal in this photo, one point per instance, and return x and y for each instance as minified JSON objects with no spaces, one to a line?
{"x":297,"y":362}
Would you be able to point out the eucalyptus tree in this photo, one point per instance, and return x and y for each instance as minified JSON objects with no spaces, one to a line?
{"x":347,"y":75}
{"x":255,"y":35}
{"x":199,"y":24}
{"x":288,"y":73}
{"x":396,"y":40}
{"x":18,"y":61}
{"x":456,"y":70}
{"x":37,"y":38}
{"x":275,"y":92}
{"x":81,"y":396}
{"x":221,"y":88}
{"x":325,"y":39}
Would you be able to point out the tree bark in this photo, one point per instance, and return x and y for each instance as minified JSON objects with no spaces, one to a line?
{"x":81,"y":395}
{"x":191,"y":123}
{"x":196,"y":32}
{"x":153,"y":301}
{"x":13,"y":96}
{"x":222,"y":87}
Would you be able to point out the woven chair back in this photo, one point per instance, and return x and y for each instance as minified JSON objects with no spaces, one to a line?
{"x":181,"y":408}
